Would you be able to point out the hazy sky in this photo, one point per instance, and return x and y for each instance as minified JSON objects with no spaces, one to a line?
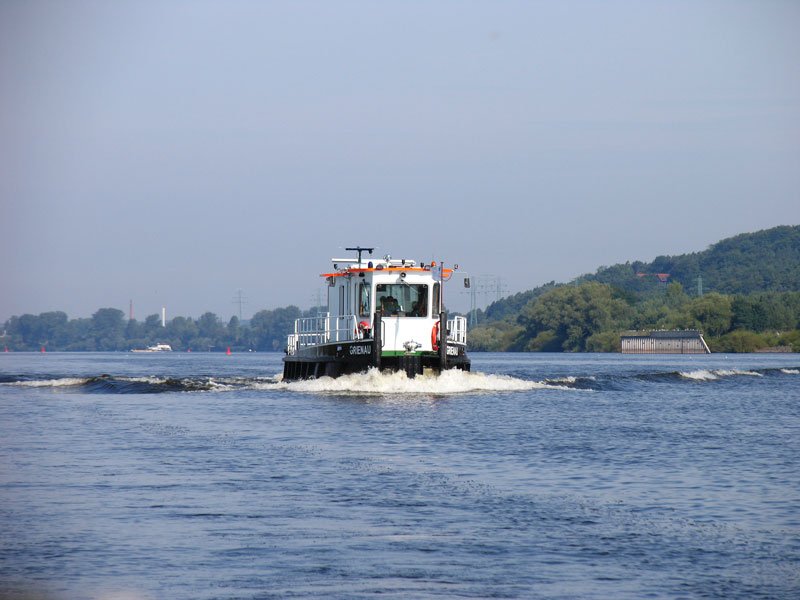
{"x":174,"y":152}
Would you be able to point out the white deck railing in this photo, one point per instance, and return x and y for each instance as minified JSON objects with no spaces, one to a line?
{"x":325,"y":329}
{"x":458,"y":330}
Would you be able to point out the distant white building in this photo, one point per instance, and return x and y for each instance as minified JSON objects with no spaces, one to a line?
{"x":689,"y":341}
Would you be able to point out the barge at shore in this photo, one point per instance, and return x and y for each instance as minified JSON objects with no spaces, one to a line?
{"x":689,"y":341}
{"x":386,"y":314}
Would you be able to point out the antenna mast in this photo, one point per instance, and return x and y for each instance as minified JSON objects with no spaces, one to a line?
{"x":240,"y":300}
{"x":359,"y":249}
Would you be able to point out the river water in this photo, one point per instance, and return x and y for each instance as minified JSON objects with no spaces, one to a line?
{"x":155,"y":476}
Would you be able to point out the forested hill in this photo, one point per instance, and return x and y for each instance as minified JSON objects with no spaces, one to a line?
{"x":764,"y":261}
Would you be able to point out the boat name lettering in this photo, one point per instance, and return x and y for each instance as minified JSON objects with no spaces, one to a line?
{"x":360,"y":350}
{"x":452,"y":351}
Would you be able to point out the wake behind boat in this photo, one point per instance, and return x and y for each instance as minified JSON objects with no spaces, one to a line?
{"x":387,"y":314}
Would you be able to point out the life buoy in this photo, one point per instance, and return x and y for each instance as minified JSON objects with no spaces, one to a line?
{"x":435,"y":337}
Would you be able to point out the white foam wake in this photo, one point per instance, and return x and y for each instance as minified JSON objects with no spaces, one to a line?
{"x":64,"y":381}
{"x":153,"y":380}
{"x":571,"y":379}
{"x":450,"y":382}
{"x":790,"y":371}
{"x":706,"y":375}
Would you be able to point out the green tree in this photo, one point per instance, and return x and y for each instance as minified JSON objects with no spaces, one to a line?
{"x":234,"y":331}
{"x":29,"y":332}
{"x":28,"y":329}
{"x":498,"y":336}
{"x":748,"y":313}
{"x":676,"y":297}
{"x":209,"y":326}
{"x":153,"y":331}
{"x":713,"y":312}
{"x":181,"y":331}
{"x":270,"y":327}
{"x":740,"y":341}
{"x":80,"y":335}
{"x":604,"y":341}
{"x":573,"y":313}
{"x":108,"y":329}
{"x":134,"y":330}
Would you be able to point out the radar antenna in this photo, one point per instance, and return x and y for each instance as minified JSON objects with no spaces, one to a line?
{"x":359,"y":249}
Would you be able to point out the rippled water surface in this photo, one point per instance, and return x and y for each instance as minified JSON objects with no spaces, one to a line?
{"x":536,"y":476}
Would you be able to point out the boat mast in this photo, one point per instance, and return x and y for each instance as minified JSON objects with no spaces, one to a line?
{"x":359,"y":249}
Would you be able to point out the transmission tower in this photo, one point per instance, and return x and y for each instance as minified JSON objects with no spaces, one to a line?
{"x":480,"y":285}
{"x":488,"y":286}
{"x":316,"y":301}
{"x":240,"y":300}
{"x":499,"y":289}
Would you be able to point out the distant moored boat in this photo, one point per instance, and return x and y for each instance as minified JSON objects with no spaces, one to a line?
{"x":156,"y":348}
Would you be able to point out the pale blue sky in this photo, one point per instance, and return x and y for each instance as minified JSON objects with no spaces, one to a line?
{"x":174,"y":152}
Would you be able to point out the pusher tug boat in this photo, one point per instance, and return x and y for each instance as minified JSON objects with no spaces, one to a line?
{"x":386,"y":314}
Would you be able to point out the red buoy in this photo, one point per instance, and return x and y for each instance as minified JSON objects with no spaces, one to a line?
{"x":228,"y":351}
{"x":42,"y":350}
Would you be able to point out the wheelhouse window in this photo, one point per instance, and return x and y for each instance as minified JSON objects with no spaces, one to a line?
{"x":402,"y":299}
{"x":364,"y":305}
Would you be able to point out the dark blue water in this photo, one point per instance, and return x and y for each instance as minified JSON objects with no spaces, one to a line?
{"x":540,"y":476}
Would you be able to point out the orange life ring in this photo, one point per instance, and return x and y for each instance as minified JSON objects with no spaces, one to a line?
{"x":435,"y":337}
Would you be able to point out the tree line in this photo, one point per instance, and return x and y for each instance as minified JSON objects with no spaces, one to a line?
{"x":580,"y":317}
{"x":109,"y":330}
{"x":755,"y":304}
{"x":590,"y":316}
